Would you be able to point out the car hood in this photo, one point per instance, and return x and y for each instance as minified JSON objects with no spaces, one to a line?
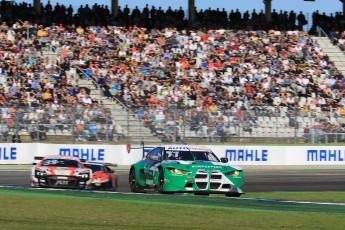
{"x":100,"y":177}
{"x":63,"y":171}
{"x":207,"y":165}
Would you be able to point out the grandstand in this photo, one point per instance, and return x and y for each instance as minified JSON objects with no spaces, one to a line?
{"x":173,"y":82}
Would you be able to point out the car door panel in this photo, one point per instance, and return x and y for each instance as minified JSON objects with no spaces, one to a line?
{"x":151,"y":162}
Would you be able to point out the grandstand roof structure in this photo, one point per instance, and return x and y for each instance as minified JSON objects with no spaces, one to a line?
{"x":191,"y":5}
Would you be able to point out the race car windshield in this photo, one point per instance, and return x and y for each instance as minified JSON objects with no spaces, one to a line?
{"x":61,"y":163}
{"x":190,"y":156}
{"x":95,"y":168}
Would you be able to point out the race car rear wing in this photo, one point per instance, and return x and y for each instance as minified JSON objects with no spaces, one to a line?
{"x":37,"y":160}
{"x":111,"y":165}
{"x":145,"y":149}
{"x":106,"y":164}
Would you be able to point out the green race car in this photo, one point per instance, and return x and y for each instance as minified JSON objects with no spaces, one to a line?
{"x":185,"y":169}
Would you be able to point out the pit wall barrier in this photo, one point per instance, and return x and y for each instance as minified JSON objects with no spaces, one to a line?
{"x":24,"y":153}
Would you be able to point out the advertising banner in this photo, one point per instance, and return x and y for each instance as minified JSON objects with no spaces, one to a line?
{"x":23,"y":153}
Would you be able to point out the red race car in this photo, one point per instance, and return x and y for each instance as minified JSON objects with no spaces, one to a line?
{"x":60,"y":172}
{"x":103,"y":177}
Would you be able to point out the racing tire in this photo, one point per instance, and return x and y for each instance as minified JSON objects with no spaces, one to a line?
{"x":201,"y":194}
{"x":233,"y":194}
{"x":115,"y":188}
{"x":160,"y":186}
{"x":133,"y":181}
{"x":104,"y":186}
{"x":107,"y":186}
{"x":110,"y":187}
{"x":98,"y":188}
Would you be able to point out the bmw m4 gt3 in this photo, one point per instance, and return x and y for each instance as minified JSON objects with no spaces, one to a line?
{"x":186,"y":169}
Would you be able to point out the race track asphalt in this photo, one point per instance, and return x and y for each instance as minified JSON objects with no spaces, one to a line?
{"x":255,"y":180}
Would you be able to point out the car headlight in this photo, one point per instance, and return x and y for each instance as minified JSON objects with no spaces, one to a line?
{"x":40,"y":173}
{"x":233,"y":173}
{"x":178,"y":171}
{"x":84,"y":175}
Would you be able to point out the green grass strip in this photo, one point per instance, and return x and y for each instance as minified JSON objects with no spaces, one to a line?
{"x":40,"y":209}
{"x":212,"y":201}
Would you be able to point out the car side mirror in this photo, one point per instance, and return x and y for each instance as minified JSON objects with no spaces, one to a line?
{"x":224,"y":160}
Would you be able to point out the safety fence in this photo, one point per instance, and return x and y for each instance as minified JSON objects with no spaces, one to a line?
{"x":171,"y":124}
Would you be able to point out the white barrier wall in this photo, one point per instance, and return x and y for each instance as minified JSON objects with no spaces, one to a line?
{"x":24,"y":153}
{"x":282,"y":155}
{"x":238,"y":155}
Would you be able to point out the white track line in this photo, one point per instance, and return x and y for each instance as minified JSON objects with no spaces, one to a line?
{"x":148,"y":194}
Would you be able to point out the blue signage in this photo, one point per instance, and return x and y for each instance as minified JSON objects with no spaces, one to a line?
{"x":8,"y":154}
{"x":86,"y":154}
{"x":325,"y":155}
{"x":246,"y":154}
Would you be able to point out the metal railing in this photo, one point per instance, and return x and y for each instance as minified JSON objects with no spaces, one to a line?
{"x":321,"y":32}
{"x":41,"y":124}
{"x":336,"y":57}
{"x":255,"y":124}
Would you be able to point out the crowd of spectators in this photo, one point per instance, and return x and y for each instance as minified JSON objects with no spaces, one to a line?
{"x":149,"y":17}
{"x":35,"y":94}
{"x":333,"y":25}
{"x":243,"y":74}
{"x":205,"y":79}
{"x":330,"y":23}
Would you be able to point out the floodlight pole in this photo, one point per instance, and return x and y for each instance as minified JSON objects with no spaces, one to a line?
{"x":191,"y":10}
{"x":37,"y":6}
{"x":342,"y":1}
{"x":268,"y":10}
{"x":114,"y":7}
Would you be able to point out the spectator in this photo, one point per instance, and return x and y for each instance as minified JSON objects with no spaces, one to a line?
{"x":102,"y":132}
{"x":94,"y":129}
{"x":307,"y":133}
{"x":169,"y":134}
{"x":16,"y":137}
{"x":247,"y":126}
{"x":221,"y":133}
{"x":53,"y":123}
{"x":33,"y":131}
{"x":4,"y":131}
{"x":80,"y":131}
{"x":42,"y":132}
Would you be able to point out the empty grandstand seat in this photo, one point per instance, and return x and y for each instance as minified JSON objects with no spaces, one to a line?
{"x":274,"y":119}
{"x":118,"y":129}
{"x":239,"y":103}
{"x":302,"y":101}
{"x":267,"y":119}
{"x":300,"y":119}
{"x":231,"y":89}
{"x":226,"y":120}
{"x":276,"y":101}
{"x":261,"y":119}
